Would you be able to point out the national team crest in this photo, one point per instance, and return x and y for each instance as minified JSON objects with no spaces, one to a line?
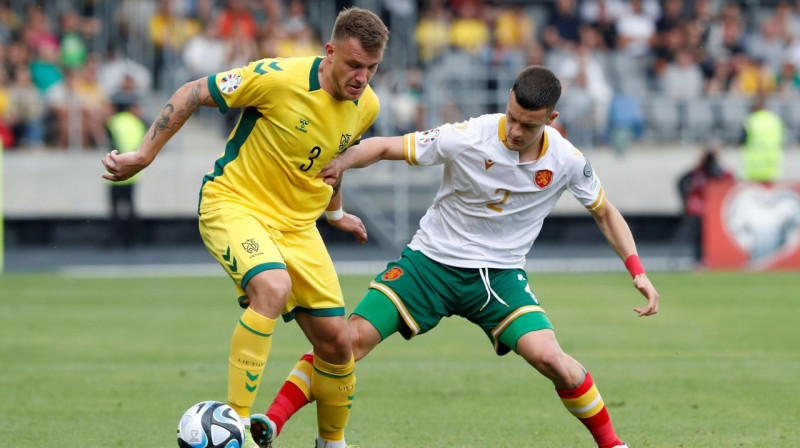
{"x":392,"y":274}
{"x":543,"y":178}
{"x":428,"y":136}
{"x":250,"y":246}
{"x":230,"y":82}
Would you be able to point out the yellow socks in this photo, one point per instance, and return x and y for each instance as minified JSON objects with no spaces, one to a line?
{"x":250,"y":347}
{"x":333,"y":386}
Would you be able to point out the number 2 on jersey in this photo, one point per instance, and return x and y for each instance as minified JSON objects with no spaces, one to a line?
{"x":315,"y":152}
{"x":496,"y":205}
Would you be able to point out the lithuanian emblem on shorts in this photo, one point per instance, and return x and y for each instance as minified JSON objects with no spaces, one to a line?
{"x":542,"y":178}
{"x":392,"y":274}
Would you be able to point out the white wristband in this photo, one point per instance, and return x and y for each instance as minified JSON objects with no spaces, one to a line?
{"x":334,"y":215}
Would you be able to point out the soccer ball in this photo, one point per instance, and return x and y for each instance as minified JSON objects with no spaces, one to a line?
{"x":210,"y":424}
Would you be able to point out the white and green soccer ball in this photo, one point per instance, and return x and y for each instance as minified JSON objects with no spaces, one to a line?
{"x":210,"y":424}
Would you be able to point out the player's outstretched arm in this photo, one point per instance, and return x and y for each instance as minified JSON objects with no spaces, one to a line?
{"x":618,"y":234}
{"x":363,"y":154}
{"x":183,"y":103}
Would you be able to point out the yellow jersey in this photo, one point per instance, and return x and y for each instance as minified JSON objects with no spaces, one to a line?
{"x":290,"y":128}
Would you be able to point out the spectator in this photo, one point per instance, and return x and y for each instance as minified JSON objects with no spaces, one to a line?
{"x":433,"y":31}
{"x":753,"y":76}
{"x":683,"y":79}
{"x":762,"y":144}
{"x":295,"y":21}
{"x":602,"y":15}
{"x":768,"y":44}
{"x":788,"y":81}
{"x":625,"y":121}
{"x":73,"y":48}
{"x":9,"y":22}
{"x":240,"y":49}
{"x":513,"y":27}
{"x":93,"y":102}
{"x":37,"y":32}
{"x":726,"y":35}
{"x":236,"y":21}
{"x":563,"y":24}
{"x":28,"y":109}
{"x":204,"y":54}
{"x":116,"y":67}
{"x":692,"y":187}
{"x":635,"y":28}
{"x":169,"y":32}
{"x":468,"y":31}
{"x":48,"y":78}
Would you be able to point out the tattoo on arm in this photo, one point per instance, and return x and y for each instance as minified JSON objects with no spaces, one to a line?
{"x":193,"y":102}
{"x":162,"y":122}
{"x":337,"y":186}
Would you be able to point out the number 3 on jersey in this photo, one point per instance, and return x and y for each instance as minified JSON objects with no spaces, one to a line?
{"x":315,"y":152}
{"x":495,"y":206}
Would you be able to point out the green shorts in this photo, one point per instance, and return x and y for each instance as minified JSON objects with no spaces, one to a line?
{"x":414,"y":293}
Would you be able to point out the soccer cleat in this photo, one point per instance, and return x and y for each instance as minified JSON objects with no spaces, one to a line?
{"x":248,"y":441}
{"x":262,"y":431}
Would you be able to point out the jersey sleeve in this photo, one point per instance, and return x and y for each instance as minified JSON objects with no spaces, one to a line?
{"x":245,"y":86}
{"x":442,"y":144}
{"x":584,"y":183}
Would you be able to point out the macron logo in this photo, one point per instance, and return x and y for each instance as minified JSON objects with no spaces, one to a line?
{"x":488,"y":164}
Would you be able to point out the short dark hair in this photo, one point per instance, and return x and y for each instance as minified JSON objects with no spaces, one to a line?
{"x":537,"y":88}
{"x":365,"y":26}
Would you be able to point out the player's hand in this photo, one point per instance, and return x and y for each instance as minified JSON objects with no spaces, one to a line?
{"x":352,"y":223}
{"x":332,"y":172}
{"x":122,"y":166}
{"x":643,"y":284}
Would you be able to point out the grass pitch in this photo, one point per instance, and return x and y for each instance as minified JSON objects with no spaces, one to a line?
{"x":115,"y":362}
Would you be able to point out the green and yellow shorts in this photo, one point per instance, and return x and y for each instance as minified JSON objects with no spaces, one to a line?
{"x":414,"y":293}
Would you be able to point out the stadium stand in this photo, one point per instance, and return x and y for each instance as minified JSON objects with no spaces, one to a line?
{"x":62,"y":66}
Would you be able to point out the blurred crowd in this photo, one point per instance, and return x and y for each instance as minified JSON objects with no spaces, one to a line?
{"x":66,"y":67}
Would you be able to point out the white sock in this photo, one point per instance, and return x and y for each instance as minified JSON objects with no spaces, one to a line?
{"x":322,"y":443}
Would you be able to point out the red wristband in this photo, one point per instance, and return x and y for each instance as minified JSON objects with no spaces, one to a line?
{"x":634,"y":265}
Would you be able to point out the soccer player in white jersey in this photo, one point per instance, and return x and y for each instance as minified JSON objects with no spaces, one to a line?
{"x":503,"y":173}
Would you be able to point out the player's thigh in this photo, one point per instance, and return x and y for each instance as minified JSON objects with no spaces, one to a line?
{"x":241,"y":244}
{"x":411,"y":289}
{"x":315,"y":285}
{"x":505,"y":323}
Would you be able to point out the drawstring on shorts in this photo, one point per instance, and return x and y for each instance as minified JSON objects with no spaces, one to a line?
{"x":484,"y":273}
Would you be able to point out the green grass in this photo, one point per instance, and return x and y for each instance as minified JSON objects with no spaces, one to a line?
{"x":115,"y":362}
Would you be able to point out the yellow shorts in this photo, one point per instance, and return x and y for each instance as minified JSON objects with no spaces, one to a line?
{"x":244,"y":244}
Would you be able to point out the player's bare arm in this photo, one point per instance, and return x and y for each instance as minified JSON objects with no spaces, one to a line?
{"x":344,"y":221}
{"x":361,"y":155}
{"x":183,"y":103}
{"x":618,"y":234}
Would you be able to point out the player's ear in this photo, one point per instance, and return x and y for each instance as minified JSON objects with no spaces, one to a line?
{"x":329,"y":48}
{"x":553,"y":116}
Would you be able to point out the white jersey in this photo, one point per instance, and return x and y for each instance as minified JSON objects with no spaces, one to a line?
{"x":490,"y":207}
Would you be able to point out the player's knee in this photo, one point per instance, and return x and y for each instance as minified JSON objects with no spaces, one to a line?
{"x":269,"y":291}
{"x":334,"y":346}
{"x":363,"y":335}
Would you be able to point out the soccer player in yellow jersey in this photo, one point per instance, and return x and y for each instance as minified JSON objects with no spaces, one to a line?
{"x":260,"y":202}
